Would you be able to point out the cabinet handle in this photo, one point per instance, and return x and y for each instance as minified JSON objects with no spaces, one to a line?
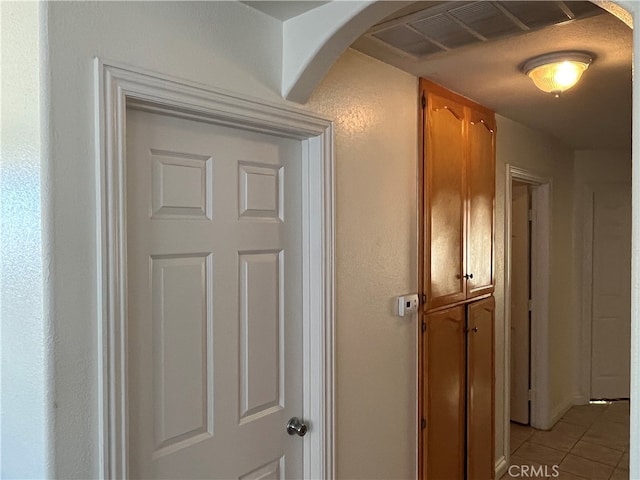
{"x":468,"y":276}
{"x":474,"y":329}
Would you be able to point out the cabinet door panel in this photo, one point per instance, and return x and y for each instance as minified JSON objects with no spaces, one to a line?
{"x":444,"y":395}
{"x":481,"y":194}
{"x":480,"y":384}
{"x":445,"y":197}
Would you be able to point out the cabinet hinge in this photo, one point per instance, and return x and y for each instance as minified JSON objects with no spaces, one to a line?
{"x":423,"y":424}
{"x":424,"y":101}
{"x":530,"y":215}
{"x":530,"y":397}
{"x":424,"y":327}
{"x":530,"y":305}
{"x":423,"y":298}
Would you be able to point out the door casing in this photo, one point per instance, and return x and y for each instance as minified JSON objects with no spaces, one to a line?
{"x":540,"y":417}
{"x":118,"y":86}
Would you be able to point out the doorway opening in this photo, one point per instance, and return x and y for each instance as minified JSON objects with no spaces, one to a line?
{"x":521,"y":230}
{"x":526,"y":369}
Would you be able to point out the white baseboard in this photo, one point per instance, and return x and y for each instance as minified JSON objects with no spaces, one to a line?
{"x":501,"y":467}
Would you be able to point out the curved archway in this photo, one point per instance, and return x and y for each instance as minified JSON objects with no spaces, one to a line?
{"x":313,"y":42}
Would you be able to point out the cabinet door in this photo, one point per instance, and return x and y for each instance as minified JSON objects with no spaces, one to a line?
{"x":481,"y":195}
{"x":444,"y":395}
{"x":444,"y":201}
{"x":480,"y":390}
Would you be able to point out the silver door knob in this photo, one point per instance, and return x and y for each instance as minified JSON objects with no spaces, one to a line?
{"x":296,"y":427}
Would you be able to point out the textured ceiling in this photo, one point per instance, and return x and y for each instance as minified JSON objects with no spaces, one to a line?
{"x":594,"y":114}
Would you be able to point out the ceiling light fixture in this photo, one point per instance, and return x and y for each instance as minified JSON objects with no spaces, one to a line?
{"x":557,"y":72}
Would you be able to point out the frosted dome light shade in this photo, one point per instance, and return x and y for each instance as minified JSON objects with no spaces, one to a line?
{"x":558,"y":72}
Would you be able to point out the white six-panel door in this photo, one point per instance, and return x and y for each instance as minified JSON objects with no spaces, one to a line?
{"x":214,"y":300}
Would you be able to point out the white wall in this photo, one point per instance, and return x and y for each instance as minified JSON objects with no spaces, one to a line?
{"x":228,"y":45}
{"x":375,"y":110}
{"x":604,"y":166}
{"x":224,"y":44}
{"x":546,"y":157}
{"x":24,"y":341}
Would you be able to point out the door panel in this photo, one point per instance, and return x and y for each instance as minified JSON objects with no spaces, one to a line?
{"x":444,"y":398}
{"x":520,"y":304}
{"x":480,"y":390}
{"x":481,"y":194}
{"x":611,"y":295}
{"x":214,"y":274}
{"x":445,"y":198}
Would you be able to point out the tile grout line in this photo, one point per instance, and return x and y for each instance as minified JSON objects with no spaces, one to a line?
{"x":576,"y":440}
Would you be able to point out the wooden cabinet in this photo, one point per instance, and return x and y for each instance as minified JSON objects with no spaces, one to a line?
{"x":458,"y":171}
{"x":444,"y":397}
{"x":456,"y":372}
{"x":480,"y":389}
{"x":458,"y":433}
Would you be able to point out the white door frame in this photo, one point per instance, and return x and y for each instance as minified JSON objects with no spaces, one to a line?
{"x":540,"y":240}
{"x":587,"y":274}
{"x":118,"y":86}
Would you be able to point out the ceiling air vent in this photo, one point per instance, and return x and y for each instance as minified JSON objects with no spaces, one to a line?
{"x":406,"y":40}
{"x":538,"y":14}
{"x":446,"y":31}
{"x":453,"y":25}
{"x":486,"y":19}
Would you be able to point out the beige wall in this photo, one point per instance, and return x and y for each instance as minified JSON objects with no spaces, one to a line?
{"x":375,"y":111}
{"x":376,"y":164}
{"x":523,"y":147}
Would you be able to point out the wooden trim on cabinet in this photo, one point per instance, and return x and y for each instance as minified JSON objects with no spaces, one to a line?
{"x":430,"y":86}
{"x":421,"y":314}
{"x":466,"y":301}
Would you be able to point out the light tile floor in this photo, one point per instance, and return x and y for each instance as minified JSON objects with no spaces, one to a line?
{"x":589,"y":442}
